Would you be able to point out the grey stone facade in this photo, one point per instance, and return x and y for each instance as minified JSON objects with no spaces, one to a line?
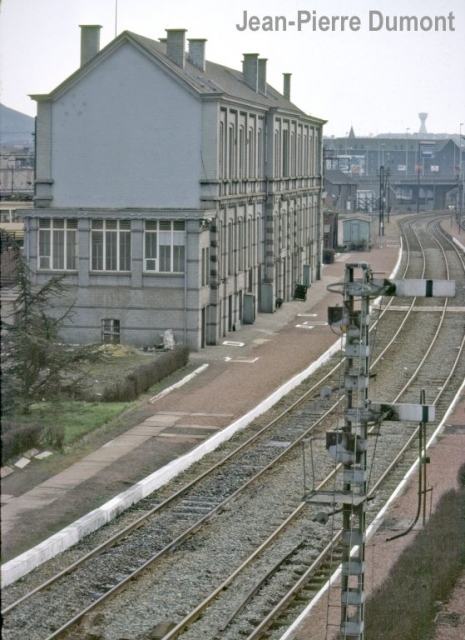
{"x":173,"y":193}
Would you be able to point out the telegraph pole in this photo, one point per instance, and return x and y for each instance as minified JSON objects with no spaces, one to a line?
{"x":388,"y":192}
{"x":347,"y":445}
{"x":382,"y":199}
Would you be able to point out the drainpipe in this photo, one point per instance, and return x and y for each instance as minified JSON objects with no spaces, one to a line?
{"x":185,"y":289}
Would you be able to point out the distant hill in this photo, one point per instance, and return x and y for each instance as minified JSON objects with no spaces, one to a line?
{"x":16,"y":128}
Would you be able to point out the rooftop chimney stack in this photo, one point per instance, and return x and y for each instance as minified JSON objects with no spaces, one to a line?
{"x":197,"y":52}
{"x":287,"y":85}
{"x":250,"y":70}
{"x":262,"y":75}
{"x":90,"y":41}
{"x":175,"y":46}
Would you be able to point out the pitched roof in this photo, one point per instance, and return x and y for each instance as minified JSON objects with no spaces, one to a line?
{"x":215,"y":80}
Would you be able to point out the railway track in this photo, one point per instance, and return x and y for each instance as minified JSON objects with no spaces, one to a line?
{"x":259,"y":484}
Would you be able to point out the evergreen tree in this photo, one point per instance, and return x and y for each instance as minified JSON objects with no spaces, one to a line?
{"x":36,"y":365}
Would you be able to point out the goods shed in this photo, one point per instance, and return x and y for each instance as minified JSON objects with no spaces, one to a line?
{"x":356,"y":232}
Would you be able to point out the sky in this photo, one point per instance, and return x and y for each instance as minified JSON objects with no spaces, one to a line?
{"x":371,"y":76}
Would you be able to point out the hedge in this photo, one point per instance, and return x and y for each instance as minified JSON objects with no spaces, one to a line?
{"x":146,"y":375}
{"x":20,"y":437}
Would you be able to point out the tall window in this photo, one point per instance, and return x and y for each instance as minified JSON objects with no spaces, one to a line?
{"x":285,"y":155}
{"x":306,"y":152}
{"x":251,"y":146}
{"x":222,"y":173}
{"x":57,"y":244}
{"x":240,"y":245}
{"x":205,"y":266}
{"x":230,"y":249}
{"x":242,"y":153}
{"x":293,"y":155}
{"x":111,"y":245}
{"x":232,"y":151}
{"x":277,"y":155}
{"x":260,"y":153}
{"x":164,"y":245}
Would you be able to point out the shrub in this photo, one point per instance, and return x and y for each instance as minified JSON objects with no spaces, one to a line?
{"x":358,"y":245}
{"x":17,"y":438}
{"x":121,"y":391}
{"x":54,"y":436}
{"x":146,"y":375}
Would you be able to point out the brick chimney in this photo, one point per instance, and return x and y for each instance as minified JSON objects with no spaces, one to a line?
{"x":90,"y":41}
{"x":262,"y":75}
{"x":250,"y":70}
{"x":287,"y":85}
{"x":175,"y":46}
{"x":197,"y":52}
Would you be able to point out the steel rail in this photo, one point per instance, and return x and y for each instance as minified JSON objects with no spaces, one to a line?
{"x":178,"y":540}
{"x":139,"y":522}
{"x":305,"y":578}
{"x":118,"y":587}
{"x":199,"y":610}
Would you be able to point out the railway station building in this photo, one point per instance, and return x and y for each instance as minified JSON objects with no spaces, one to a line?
{"x":172,"y":192}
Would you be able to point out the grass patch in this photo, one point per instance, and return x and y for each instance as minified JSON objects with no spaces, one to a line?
{"x":77,"y":418}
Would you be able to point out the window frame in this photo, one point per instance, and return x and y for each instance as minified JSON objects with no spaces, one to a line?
{"x":169,"y":247}
{"x":115,"y":246}
{"x":68,"y":244}
{"x":113,"y":330}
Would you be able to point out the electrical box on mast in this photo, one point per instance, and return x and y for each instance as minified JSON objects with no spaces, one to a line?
{"x":347,"y":445}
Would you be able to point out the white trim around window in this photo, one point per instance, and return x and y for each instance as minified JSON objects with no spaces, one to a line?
{"x":164,"y":246}
{"x":110,"y":245}
{"x":57,"y":244}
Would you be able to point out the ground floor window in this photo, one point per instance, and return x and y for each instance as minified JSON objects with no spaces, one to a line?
{"x":57,"y":244}
{"x":164,"y":245}
{"x":111,"y":245}
{"x":110,"y":331}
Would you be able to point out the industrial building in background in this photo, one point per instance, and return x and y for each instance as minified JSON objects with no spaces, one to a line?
{"x":173,"y":192}
{"x":425,"y":170}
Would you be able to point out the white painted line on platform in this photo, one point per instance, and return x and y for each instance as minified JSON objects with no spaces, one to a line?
{"x":182,"y":436}
{"x":178,"y":384}
{"x":229,"y":343}
{"x":304,"y":326}
{"x":344,"y":257}
{"x":208,"y":427}
{"x":248,"y":361}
